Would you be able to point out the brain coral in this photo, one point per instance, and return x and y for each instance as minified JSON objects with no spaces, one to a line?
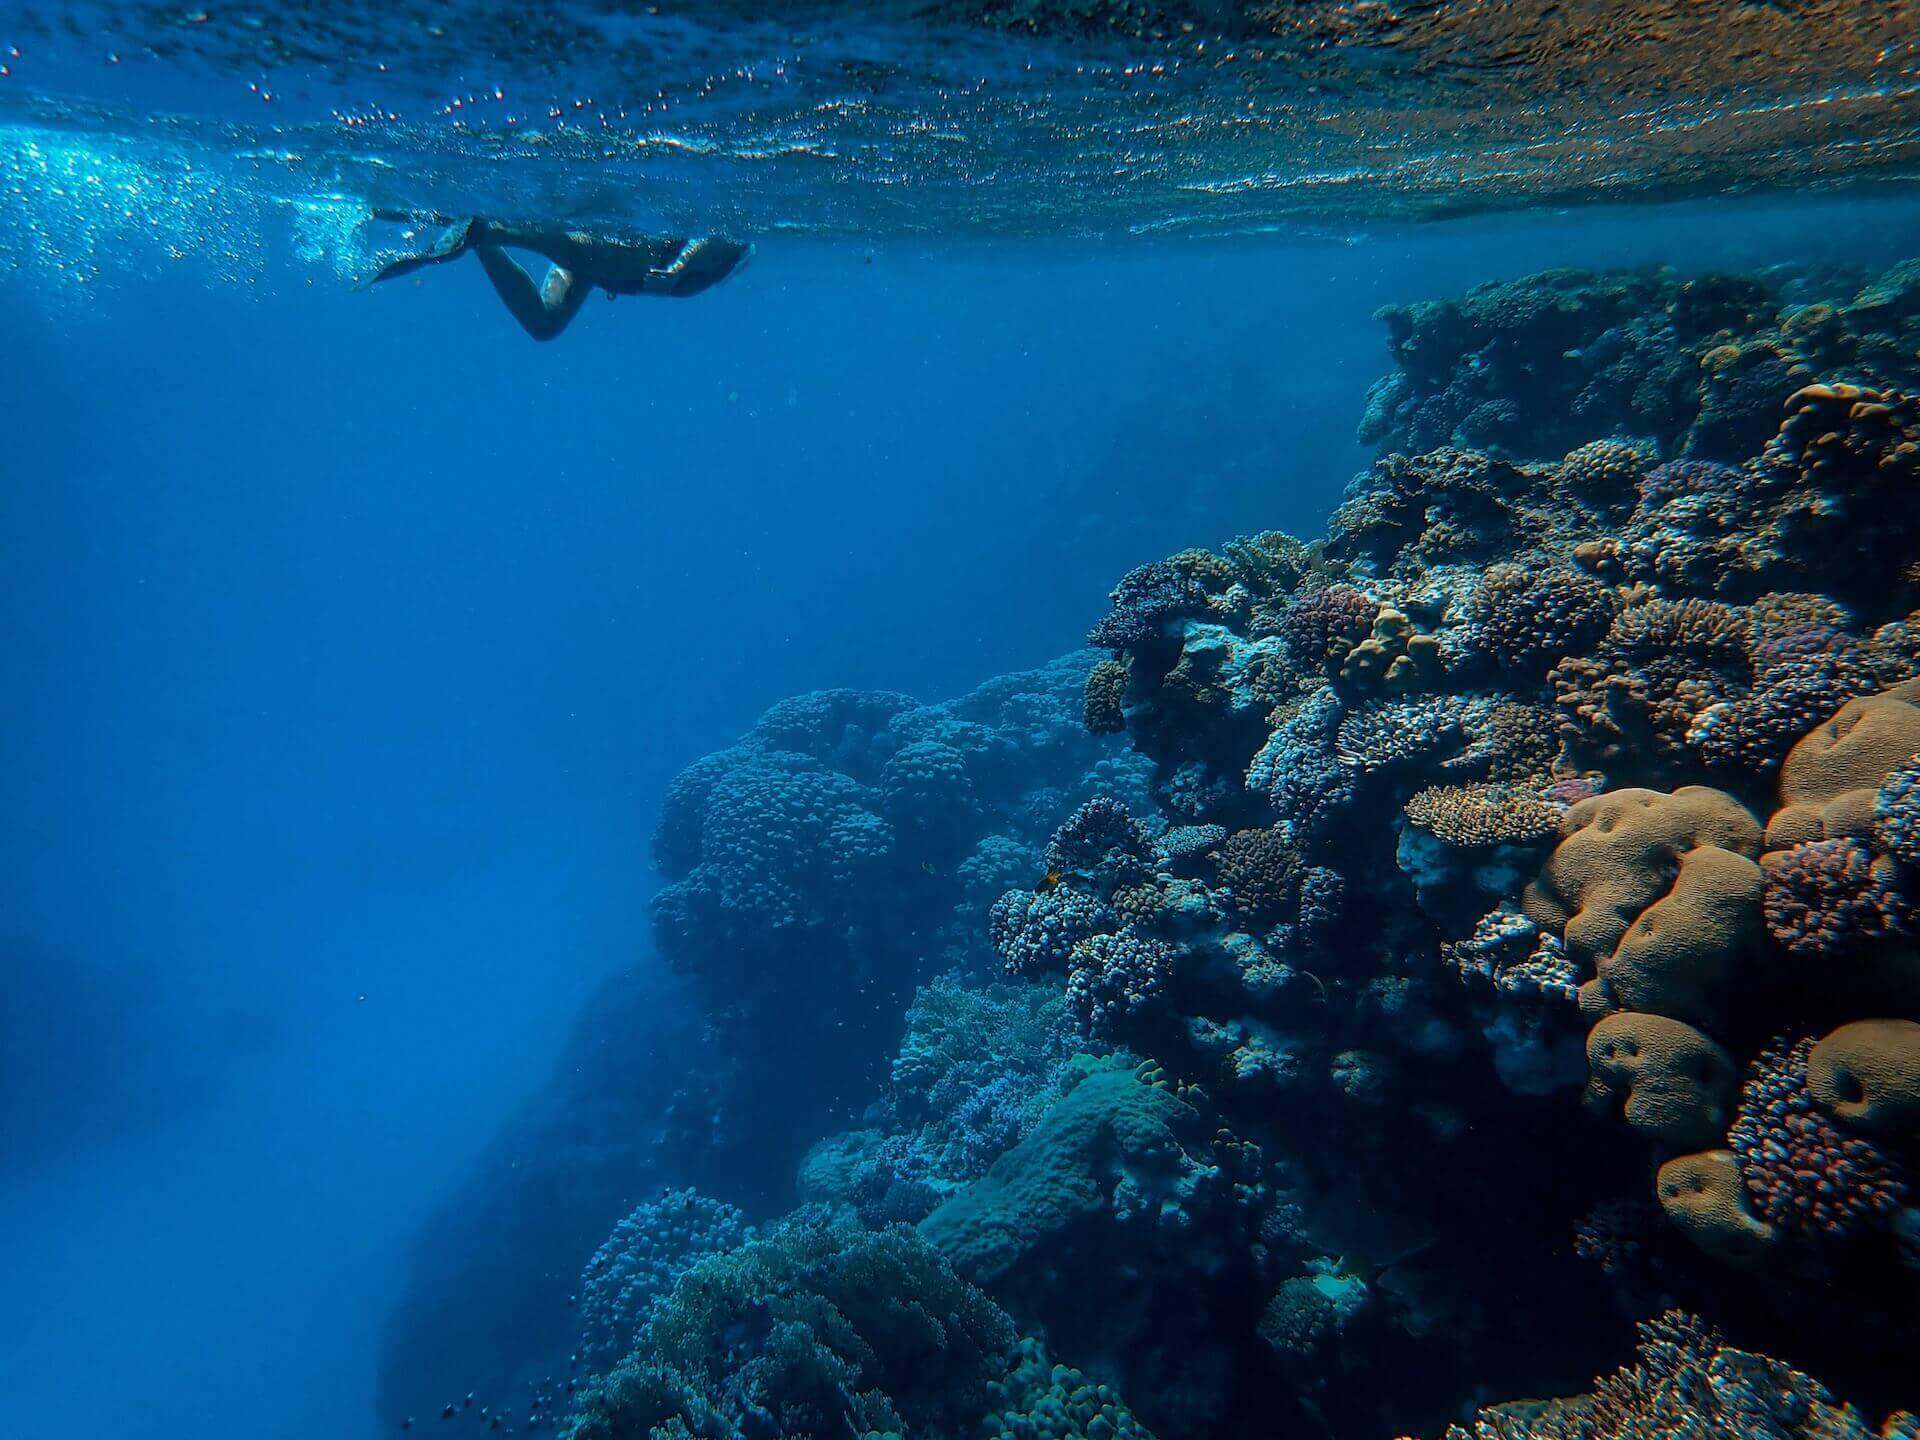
{"x":1830,"y":781}
{"x":1660,"y":893}
{"x":1673,"y":1084}
{"x":1867,"y":1074}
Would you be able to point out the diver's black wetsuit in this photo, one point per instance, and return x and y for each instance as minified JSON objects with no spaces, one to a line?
{"x":579,"y":263}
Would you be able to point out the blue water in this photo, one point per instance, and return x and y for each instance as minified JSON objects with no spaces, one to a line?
{"x":352,"y":642}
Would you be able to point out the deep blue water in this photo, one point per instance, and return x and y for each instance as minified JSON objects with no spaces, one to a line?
{"x":352,"y":641}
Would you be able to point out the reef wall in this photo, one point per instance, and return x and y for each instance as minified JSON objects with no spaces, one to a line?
{"x":1501,"y":927}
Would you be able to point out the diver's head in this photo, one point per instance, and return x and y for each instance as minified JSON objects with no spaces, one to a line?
{"x":556,"y":287}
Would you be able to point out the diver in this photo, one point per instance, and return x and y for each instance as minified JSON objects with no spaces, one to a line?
{"x":578,"y":263}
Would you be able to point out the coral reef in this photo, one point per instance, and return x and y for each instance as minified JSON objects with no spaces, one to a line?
{"x":1685,"y":1380}
{"x":1538,"y":367}
{"x":1502,"y":919}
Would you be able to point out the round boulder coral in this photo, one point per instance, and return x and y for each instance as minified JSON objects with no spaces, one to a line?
{"x":1706,"y":1199}
{"x":1830,"y":781}
{"x":1660,"y":893}
{"x":1867,"y":1075}
{"x":1670,"y":1082}
{"x":1604,"y":473}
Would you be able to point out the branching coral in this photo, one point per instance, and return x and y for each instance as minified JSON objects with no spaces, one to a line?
{"x":640,"y":1262}
{"x":1800,"y":1169}
{"x":817,"y":1327}
{"x":1526,"y":617}
{"x":1106,"y":691}
{"x":1144,"y":601}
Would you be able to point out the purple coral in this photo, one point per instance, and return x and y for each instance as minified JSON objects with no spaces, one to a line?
{"x":1802,"y":674}
{"x":1896,"y":814}
{"x":1146,"y":598}
{"x":1800,"y":1170}
{"x":1528,"y":618}
{"x":1321,"y":626}
{"x":1829,"y":897}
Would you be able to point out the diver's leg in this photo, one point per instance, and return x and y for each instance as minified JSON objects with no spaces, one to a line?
{"x":542,"y":310}
{"x":449,"y":244}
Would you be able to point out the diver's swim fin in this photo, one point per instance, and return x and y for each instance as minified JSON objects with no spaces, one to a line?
{"x":449,"y":244}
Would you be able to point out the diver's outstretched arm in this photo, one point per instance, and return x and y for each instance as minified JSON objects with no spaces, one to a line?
{"x":543,"y":310}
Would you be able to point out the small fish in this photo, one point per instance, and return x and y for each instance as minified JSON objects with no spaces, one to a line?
{"x":1048,"y":881}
